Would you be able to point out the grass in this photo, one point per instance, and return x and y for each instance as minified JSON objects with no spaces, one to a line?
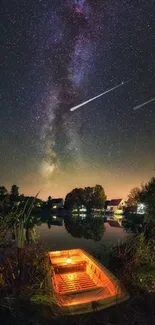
{"x":133,"y":262}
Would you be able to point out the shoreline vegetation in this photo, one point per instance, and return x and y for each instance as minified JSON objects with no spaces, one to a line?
{"x":23,"y":296}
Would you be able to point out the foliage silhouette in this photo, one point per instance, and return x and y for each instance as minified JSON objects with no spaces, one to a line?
{"x":88,"y":228}
{"x":14,"y":191}
{"x":90,"y":197}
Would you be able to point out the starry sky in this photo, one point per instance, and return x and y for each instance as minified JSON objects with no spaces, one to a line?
{"x":57,"y":54}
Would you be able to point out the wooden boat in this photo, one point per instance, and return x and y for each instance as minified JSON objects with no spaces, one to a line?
{"x":81,"y":284}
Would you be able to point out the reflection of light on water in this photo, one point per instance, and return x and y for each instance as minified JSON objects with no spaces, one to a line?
{"x":82,"y":209}
{"x":115,"y":217}
{"x":81,"y":215}
{"x":58,"y":238}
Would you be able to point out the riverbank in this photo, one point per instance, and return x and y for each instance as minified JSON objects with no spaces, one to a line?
{"x":139,"y":310}
{"x":33,"y":306}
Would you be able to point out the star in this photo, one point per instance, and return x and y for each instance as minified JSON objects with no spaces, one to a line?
{"x":62,"y":55}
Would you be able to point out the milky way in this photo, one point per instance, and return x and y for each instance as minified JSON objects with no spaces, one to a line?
{"x":57,"y":54}
{"x":69,"y":59}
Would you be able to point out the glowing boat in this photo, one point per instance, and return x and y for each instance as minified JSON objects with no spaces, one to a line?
{"x":81,"y":284}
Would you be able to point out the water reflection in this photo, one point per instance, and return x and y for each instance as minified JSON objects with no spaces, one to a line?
{"x":55,"y":221}
{"x":77,"y":225}
{"x":49,"y":220}
{"x":88,"y":226}
{"x":114,"y":220}
{"x":81,"y":225}
{"x":85,"y":232}
{"x":85,"y":226}
{"x":133,"y":223}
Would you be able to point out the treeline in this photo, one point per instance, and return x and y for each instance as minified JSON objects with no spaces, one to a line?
{"x":14,"y":191}
{"x":90,"y":197}
{"x":145,"y":195}
{"x":10,"y":200}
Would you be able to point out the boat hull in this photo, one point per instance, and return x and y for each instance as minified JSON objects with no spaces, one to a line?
{"x":80,"y":284}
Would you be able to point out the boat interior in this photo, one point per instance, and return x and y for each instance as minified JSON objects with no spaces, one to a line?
{"x":78,"y":278}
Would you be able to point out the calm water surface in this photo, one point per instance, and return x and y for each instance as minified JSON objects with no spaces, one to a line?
{"x":58,"y":238}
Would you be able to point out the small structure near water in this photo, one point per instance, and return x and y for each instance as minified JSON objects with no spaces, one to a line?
{"x":57,"y":203}
{"x":115,"y":206}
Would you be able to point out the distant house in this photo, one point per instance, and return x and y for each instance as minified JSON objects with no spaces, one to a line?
{"x":57,"y":203}
{"x":115,"y":206}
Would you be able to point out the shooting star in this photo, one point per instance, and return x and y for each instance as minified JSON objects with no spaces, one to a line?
{"x":141,"y":105}
{"x":91,"y":99}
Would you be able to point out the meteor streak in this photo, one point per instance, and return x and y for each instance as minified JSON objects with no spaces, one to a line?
{"x":141,"y":105}
{"x":91,"y":99}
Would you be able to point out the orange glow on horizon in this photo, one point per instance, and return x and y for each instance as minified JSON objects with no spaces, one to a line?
{"x":114,"y":184}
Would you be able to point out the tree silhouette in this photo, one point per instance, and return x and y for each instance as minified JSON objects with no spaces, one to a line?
{"x":89,"y":192}
{"x":99,"y":197}
{"x":133,"y":196}
{"x":14,"y":191}
{"x":147,"y":197}
{"x":74,"y":199}
{"x":88,"y":228}
{"x":3,"y":190}
{"x":90,"y":197}
{"x":134,"y":223}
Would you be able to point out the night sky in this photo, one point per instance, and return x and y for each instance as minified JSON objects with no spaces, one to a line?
{"x":57,"y":54}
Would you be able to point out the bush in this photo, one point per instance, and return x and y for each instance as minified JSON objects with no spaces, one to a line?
{"x":132,"y":262}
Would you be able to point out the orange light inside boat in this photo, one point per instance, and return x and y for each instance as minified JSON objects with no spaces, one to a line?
{"x":78,"y":279}
{"x":68,"y":260}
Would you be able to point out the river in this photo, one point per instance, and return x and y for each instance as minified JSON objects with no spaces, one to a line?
{"x":58,"y":235}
